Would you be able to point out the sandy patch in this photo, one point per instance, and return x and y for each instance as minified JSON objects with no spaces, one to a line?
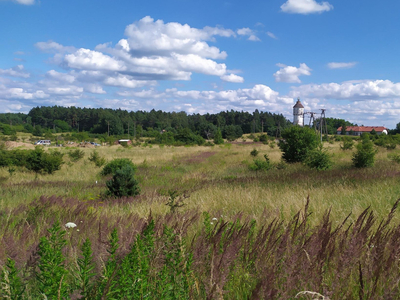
{"x":11,"y":145}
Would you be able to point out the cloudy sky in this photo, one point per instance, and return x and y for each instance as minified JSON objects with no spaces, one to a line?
{"x":203,"y":56}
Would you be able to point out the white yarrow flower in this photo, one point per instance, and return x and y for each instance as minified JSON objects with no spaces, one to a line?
{"x":70,"y":225}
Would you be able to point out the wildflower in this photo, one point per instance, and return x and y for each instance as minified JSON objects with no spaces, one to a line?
{"x":211,"y":223}
{"x":214,"y":219}
{"x":70,"y":225}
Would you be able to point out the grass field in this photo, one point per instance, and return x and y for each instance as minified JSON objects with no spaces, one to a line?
{"x":216,"y":180}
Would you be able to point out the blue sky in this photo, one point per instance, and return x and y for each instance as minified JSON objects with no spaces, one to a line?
{"x":203,"y":56}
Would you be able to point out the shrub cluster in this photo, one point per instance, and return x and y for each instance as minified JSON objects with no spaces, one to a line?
{"x":261,"y":165}
{"x":365,"y":154}
{"x":318,"y":159}
{"x":347,"y":143}
{"x":296,"y":142}
{"x":76,"y":155}
{"x":95,"y":158}
{"x":36,"y":160}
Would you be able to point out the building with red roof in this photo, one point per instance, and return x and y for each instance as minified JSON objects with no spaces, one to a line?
{"x":358,"y":130}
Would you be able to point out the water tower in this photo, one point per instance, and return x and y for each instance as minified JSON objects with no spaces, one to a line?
{"x":298,"y":113}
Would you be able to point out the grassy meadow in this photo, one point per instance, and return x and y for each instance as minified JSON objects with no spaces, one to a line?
{"x":218,"y":179}
{"x":222,"y":199}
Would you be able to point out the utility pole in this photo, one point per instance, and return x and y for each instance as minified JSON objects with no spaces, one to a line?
{"x":323,"y":123}
{"x":108,"y":126}
{"x":134,"y":130}
{"x":278,"y":130}
{"x":262,"y":126}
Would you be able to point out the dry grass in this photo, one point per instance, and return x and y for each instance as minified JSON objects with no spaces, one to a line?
{"x":218,"y":179}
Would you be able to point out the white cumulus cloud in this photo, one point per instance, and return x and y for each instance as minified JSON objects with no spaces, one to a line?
{"x":291,"y":74}
{"x":158,"y":38}
{"x":152,"y":51}
{"x":248,"y":32}
{"x":53,"y":47}
{"x":353,"y":91}
{"x":341,"y":65}
{"x":232,"y":78}
{"x":305,"y":7}
{"x":17,"y":71}
{"x":61,"y":77}
{"x":93,"y":60}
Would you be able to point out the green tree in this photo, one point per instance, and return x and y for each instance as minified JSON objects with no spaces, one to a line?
{"x":318,"y":159}
{"x":218,"y":138}
{"x":37,"y":131}
{"x":348,"y":143}
{"x":296,"y":142}
{"x":40,"y":161}
{"x":116,"y":164}
{"x":343,"y":131}
{"x":123,"y":183}
{"x":365,"y":155}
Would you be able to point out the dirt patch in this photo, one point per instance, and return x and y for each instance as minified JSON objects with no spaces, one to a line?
{"x":70,"y":144}
{"x":11,"y":145}
{"x":249,"y":143}
{"x":87,"y":145}
{"x":199,"y":157}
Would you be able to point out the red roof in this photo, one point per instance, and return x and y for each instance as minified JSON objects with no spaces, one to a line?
{"x":363,"y":128}
{"x":298,"y":105}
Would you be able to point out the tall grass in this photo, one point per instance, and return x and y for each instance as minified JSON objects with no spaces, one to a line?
{"x":186,"y":255}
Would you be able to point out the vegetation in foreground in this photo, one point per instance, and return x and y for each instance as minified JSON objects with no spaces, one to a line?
{"x":193,"y":256}
{"x":233,"y":233}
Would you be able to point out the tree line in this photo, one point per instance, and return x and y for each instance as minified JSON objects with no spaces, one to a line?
{"x":232,"y":124}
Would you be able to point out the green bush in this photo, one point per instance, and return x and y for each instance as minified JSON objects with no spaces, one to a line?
{"x":76,"y":155}
{"x":365,"y":155}
{"x":218,"y":138}
{"x":123,"y":183}
{"x":318,"y":159}
{"x":116,"y":164}
{"x":394,"y":157}
{"x":40,"y":161}
{"x":261,"y":165}
{"x":348,"y":143}
{"x":391,"y":146}
{"x":254,"y":152}
{"x":13,"y":157}
{"x":263,"y":138}
{"x":95,"y":158}
{"x":297,"y":142}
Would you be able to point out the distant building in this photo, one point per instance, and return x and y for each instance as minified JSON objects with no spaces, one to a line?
{"x":298,"y":113}
{"x":358,"y":130}
{"x":128,"y":142}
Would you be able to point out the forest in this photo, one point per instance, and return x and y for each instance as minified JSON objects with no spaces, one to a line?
{"x":117,"y":122}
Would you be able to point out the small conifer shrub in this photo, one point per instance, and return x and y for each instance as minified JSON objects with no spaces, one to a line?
{"x":123,"y":183}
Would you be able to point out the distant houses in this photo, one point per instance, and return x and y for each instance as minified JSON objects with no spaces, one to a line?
{"x":119,"y":142}
{"x":358,"y":130}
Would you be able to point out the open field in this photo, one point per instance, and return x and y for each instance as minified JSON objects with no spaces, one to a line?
{"x":217,"y":180}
